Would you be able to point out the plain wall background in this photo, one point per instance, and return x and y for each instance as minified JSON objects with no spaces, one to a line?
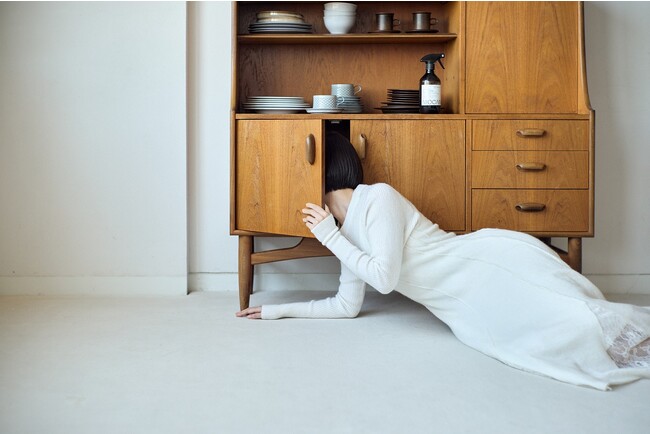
{"x":95,"y":168}
{"x":92,"y":147}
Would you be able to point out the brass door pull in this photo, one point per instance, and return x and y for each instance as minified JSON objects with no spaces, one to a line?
{"x":310,"y":149}
{"x":531,"y":132}
{"x":363,"y":140}
{"x":531,"y":167}
{"x":530,"y":207}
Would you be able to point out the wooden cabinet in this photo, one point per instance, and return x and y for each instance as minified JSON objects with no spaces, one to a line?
{"x":422,"y":159}
{"x":279,"y":168}
{"x":522,"y":57}
{"x":513,"y":148}
{"x":531,"y":175}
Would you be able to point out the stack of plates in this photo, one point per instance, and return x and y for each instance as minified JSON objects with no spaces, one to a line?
{"x":350,"y":104}
{"x":401,"y":101}
{"x":275,"y":104}
{"x":279,"y":22}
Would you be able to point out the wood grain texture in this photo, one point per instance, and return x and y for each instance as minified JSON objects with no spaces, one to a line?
{"x":565,"y":210}
{"x":274,"y":179}
{"x":522,"y":57}
{"x":559,"y":135}
{"x":561,"y":169}
{"x":423,"y":160}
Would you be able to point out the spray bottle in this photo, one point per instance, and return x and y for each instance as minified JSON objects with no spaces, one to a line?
{"x":430,"y":89}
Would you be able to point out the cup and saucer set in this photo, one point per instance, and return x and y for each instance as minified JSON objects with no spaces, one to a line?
{"x":343,"y":99}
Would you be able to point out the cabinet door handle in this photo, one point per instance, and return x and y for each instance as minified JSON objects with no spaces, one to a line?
{"x":530,"y":207}
{"x":310,"y":149}
{"x":531,"y":167}
{"x":531,"y":132}
{"x":363,"y":140}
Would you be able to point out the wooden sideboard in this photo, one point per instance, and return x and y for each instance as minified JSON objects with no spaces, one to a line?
{"x":513,"y":149}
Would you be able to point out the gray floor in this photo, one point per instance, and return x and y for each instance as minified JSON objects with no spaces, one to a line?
{"x":187,"y":365}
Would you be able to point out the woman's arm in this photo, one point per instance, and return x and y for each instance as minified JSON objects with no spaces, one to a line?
{"x":384,"y":226}
{"x":345,"y":304}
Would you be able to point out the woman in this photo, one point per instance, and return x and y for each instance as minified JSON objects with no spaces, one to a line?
{"x":501,"y":292}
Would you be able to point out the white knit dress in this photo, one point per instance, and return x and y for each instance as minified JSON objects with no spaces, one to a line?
{"x":501,"y":292}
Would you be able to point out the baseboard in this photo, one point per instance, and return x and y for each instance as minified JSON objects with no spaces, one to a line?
{"x":264,"y":281}
{"x":608,"y":283}
{"x":94,"y":285}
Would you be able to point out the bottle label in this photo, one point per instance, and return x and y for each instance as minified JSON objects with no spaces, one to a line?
{"x":430,"y":95}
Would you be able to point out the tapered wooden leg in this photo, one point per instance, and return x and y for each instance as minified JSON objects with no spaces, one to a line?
{"x":245,"y":270}
{"x":574,"y":254}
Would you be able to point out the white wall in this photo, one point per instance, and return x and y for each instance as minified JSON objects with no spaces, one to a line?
{"x":617,"y":259}
{"x":92,"y":148}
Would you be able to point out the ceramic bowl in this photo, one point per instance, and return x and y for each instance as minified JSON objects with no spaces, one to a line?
{"x":339,"y":25}
{"x":340,"y":6}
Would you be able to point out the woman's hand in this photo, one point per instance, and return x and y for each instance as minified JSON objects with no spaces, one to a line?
{"x":251,"y":313}
{"x":315,"y":214}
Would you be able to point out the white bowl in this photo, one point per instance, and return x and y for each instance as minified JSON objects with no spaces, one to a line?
{"x":339,"y":13}
{"x":339,"y":25}
{"x":340,"y":6}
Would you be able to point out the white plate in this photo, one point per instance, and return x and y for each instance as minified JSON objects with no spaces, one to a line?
{"x":309,"y":110}
{"x":269,"y":111}
{"x":291,"y":106}
{"x":276,"y":98}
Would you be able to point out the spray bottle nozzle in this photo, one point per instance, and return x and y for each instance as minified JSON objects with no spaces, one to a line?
{"x":431,"y":59}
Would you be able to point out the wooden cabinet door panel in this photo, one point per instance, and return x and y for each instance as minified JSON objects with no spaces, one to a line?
{"x":522,"y":57}
{"x":424,"y":160}
{"x":274,"y":177}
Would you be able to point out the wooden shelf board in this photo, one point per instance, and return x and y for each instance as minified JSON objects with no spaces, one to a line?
{"x":352,"y":38}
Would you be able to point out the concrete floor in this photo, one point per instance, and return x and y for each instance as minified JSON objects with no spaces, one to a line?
{"x":187,"y":365}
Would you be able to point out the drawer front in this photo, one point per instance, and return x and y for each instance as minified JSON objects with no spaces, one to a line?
{"x":530,"y":169}
{"x":531,"y":134}
{"x":542,"y":211}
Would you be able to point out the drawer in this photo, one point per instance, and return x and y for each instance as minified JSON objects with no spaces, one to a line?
{"x":531,"y":134}
{"x":530,"y":169}
{"x":543,"y":211}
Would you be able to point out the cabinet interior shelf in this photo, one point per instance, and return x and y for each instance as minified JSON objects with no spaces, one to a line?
{"x":353,"y":38}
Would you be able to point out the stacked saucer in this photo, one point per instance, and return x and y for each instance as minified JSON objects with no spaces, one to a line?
{"x":279,"y":22}
{"x":401,"y":101}
{"x":275,"y":104}
{"x":350,"y":104}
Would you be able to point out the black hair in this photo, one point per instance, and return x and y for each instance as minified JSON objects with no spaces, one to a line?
{"x":342,"y":164}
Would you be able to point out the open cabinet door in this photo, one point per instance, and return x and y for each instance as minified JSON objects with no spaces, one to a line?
{"x":279,"y":168}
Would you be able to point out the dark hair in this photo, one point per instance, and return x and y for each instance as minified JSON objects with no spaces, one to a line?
{"x":342,"y":164}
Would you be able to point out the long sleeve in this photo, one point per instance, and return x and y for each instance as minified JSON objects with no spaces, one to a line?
{"x":383,"y":224}
{"x":345,"y":304}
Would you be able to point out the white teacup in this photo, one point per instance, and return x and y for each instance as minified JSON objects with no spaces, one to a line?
{"x":324,"y":102}
{"x":341,"y":90}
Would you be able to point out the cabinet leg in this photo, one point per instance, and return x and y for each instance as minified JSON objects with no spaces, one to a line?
{"x":574,"y":254}
{"x":245,"y":270}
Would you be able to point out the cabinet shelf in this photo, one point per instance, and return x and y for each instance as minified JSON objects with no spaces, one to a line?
{"x":353,"y":38}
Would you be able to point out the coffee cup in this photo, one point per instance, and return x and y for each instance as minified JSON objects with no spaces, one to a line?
{"x":345,"y":89}
{"x":324,"y":102}
{"x":423,"y":21}
{"x":384,"y":22}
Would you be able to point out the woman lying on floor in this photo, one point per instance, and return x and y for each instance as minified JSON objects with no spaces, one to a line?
{"x":503,"y":293}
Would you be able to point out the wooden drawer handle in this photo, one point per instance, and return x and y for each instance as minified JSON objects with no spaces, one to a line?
{"x":531,"y":132}
{"x":363,"y":140}
{"x":530,"y":207}
{"x":310,"y":149}
{"x":531,"y":167}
